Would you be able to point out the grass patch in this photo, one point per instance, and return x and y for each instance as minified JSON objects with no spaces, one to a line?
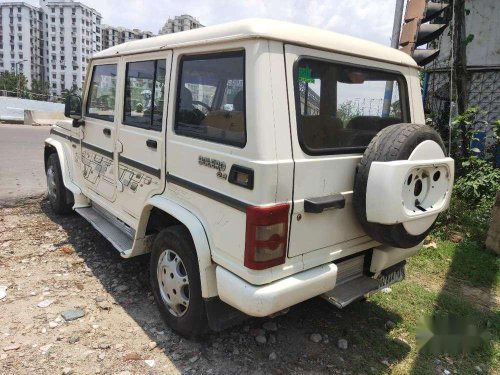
{"x":447,"y":269}
{"x":466,"y":261}
{"x":413,"y":302}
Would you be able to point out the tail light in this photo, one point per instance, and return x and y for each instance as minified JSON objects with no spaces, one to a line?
{"x":266,"y":236}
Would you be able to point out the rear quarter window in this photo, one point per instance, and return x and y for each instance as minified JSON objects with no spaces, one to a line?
{"x":340,"y":108}
{"x":211,"y":98}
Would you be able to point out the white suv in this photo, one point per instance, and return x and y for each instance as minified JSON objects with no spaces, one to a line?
{"x":261,"y":163}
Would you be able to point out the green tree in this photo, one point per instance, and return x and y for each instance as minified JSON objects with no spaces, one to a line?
{"x":16,"y":84}
{"x":347,"y":110}
{"x":40,"y":90}
{"x":74,"y":90}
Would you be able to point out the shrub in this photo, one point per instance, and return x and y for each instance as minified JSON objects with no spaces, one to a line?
{"x":472,"y":221}
{"x":473,"y":196}
{"x":479,"y":181}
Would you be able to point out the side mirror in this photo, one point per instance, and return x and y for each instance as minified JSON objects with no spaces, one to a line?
{"x":73,"y":107}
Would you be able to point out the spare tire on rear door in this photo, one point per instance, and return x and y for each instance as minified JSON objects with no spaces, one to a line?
{"x":402,"y":183}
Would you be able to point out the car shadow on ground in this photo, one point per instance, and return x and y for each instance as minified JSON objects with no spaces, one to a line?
{"x":235,"y":350}
{"x":472,"y":345}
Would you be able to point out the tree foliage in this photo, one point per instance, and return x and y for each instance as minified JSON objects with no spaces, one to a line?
{"x":74,"y":90}
{"x":13,"y":83}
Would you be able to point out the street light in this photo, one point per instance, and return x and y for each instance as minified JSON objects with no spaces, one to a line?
{"x":17,"y":73}
{"x":17,"y":63}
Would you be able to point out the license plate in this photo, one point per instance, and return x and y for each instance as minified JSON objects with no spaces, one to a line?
{"x":391,"y":278}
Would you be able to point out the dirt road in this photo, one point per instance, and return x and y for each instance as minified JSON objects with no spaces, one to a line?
{"x":53,"y":264}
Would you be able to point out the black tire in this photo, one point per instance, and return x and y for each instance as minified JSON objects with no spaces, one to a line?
{"x":194,"y":321}
{"x":61,"y":199}
{"x":396,"y":142}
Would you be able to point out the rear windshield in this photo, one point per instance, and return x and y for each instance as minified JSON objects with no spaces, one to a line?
{"x":340,"y":108}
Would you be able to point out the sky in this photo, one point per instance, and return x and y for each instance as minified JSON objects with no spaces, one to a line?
{"x":368,"y":19}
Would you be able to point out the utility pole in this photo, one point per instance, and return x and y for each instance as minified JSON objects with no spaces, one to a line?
{"x":396,"y":30}
{"x":459,"y":63}
{"x":459,"y":77}
{"x":17,"y":73}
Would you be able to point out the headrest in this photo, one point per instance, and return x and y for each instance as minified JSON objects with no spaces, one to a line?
{"x":364,"y":123}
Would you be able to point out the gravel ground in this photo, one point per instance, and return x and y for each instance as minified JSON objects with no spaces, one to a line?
{"x":73,"y":305}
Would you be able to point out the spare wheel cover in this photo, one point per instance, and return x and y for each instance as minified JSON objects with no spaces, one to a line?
{"x":402,"y":183}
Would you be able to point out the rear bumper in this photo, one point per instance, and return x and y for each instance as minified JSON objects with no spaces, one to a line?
{"x":267,"y":299}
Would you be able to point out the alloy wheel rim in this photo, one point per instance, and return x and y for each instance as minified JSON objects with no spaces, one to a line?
{"x":173,"y":282}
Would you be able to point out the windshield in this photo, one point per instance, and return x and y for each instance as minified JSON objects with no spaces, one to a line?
{"x":340,"y":108}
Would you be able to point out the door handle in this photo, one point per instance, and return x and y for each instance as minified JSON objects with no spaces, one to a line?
{"x":106,"y":131}
{"x":151,"y":143}
{"x":318,"y":205}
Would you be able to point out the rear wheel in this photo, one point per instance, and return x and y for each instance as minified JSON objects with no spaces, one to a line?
{"x":175,"y":280}
{"x":61,"y":199}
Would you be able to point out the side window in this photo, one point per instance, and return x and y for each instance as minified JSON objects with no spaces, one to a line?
{"x":144,"y":94}
{"x":211,"y":98}
{"x":340,"y":108}
{"x":101,"y":97}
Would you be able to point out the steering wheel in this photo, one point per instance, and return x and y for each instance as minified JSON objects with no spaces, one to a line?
{"x":206,"y":106}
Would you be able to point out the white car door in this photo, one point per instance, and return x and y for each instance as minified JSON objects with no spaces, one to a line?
{"x":98,"y":167}
{"x":141,"y":129}
{"x":336,"y":108}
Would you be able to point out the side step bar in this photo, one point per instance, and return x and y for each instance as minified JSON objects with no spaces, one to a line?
{"x":350,"y":291}
{"x":109,"y":227}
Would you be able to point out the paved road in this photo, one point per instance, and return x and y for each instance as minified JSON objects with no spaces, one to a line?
{"x":21,"y":161}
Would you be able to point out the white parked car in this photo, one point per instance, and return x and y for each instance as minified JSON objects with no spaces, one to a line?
{"x":320,"y":180}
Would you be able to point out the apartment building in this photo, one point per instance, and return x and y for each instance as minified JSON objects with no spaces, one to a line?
{"x":72,"y":33}
{"x":180,"y":23}
{"x":51,"y":43}
{"x":21,"y":39}
{"x":111,"y":36}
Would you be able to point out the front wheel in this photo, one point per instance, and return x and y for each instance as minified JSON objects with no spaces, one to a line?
{"x":175,"y":280}
{"x":61,"y":199}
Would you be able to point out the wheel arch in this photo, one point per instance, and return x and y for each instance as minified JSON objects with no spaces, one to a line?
{"x":176,"y":214}
{"x":55,"y":146}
